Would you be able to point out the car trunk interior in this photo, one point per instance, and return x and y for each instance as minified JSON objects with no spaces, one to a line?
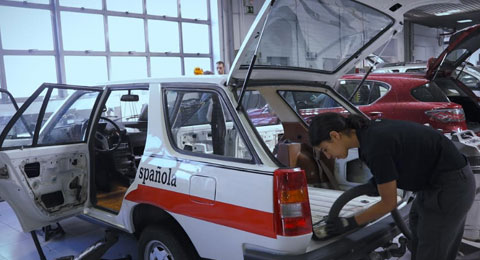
{"x":322,"y":174}
{"x":327,"y":179}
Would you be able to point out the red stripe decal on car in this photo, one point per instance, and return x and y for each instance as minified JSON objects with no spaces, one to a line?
{"x":249,"y":220}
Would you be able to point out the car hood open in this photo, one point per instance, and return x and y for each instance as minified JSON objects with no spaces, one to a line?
{"x":461,"y":46}
{"x":312,"y":40}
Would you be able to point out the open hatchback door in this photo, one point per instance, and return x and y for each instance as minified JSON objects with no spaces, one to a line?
{"x":319,"y":41}
{"x":44,"y":155}
{"x":461,"y":46}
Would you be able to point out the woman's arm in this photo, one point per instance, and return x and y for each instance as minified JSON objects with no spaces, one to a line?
{"x":388,"y":193}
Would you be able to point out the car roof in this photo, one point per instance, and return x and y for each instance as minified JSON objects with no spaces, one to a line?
{"x":213,"y":79}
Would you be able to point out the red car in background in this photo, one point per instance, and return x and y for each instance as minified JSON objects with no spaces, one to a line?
{"x":440,"y":74}
{"x":396,"y":96}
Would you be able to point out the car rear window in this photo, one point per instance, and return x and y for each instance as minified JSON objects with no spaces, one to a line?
{"x":429,"y":92}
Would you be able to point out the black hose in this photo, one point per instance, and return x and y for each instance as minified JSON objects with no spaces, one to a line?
{"x":367,"y":188}
{"x":349,"y":195}
{"x":401,"y":224}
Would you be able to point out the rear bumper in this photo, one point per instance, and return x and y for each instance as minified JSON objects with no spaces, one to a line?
{"x":352,"y":246}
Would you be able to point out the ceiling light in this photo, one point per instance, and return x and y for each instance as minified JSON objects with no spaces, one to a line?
{"x":465,"y":21}
{"x":448,"y":12}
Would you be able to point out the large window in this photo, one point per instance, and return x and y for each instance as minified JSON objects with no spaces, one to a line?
{"x":201,"y":124}
{"x":89,"y":42}
{"x":316,"y":35}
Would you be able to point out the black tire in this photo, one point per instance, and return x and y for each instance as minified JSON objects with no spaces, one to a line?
{"x":166,"y":243}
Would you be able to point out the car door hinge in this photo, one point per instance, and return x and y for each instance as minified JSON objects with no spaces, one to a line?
{"x":4,"y":172}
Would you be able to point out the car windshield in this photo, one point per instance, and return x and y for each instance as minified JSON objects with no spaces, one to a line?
{"x":315,"y":35}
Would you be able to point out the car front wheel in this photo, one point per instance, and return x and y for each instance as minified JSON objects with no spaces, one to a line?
{"x":157,"y":243}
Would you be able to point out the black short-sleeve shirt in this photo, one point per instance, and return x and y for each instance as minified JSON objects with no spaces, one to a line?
{"x":408,"y":152}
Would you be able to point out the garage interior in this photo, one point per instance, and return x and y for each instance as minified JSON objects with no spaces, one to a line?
{"x":87,"y":42}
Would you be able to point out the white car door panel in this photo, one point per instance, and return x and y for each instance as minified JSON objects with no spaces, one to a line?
{"x":44,"y":155}
{"x":44,"y":184}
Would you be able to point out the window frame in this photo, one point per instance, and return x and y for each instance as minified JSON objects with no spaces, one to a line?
{"x":59,"y":53}
{"x":373,"y":82}
{"x":38,"y":125}
{"x":327,"y":93}
{"x":201,"y":87}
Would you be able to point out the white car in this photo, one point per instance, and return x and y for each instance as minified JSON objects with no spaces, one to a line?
{"x":179,"y":163}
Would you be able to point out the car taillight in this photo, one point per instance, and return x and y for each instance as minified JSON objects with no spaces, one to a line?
{"x":447,"y":115}
{"x":291,"y":204}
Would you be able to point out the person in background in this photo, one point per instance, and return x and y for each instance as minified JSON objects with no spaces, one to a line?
{"x":220,"y":67}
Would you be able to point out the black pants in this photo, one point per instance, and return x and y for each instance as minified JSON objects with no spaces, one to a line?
{"x":437,"y":216}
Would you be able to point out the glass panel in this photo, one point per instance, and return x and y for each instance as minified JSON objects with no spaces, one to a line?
{"x":24,"y":29}
{"x":93,"y":4}
{"x":192,"y":63}
{"x":449,"y":87}
{"x":127,"y":112}
{"x":258,"y":110}
{"x":164,"y":7}
{"x":124,"y":68}
{"x":367,"y":94}
{"x":309,"y":104}
{"x":195,"y":38}
{"x":319,"y":35}
{"x":194,"y":9}
{"x":469,"y":80}
{"x":264,"y":118}
{"x":126,"y":34}
{"x":131,"y":6}
{"x":455,"y":55}
{"x":40,"y":69}
{"x":7,"y":110}
{"x":429,"y":93}
{"x":34,"y":1}
{"x":203,"y":125}
{"x":21,"y":134}
{"x":165,"y":66}
{"x":163,"y":36}
{"x":82,"y":32}
{"x":66,"y":119}
{"x":81,"y":70}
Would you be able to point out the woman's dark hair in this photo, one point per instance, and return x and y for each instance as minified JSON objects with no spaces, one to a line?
{"x":323,"y":124}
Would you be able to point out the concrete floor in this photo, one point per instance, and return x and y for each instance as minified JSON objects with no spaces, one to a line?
{"x":16,"y":245}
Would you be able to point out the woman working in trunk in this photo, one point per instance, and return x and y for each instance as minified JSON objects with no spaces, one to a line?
{"x":412,"y":157}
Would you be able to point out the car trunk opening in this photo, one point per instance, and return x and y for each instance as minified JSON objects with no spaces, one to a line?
{"x":280,"y":116}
